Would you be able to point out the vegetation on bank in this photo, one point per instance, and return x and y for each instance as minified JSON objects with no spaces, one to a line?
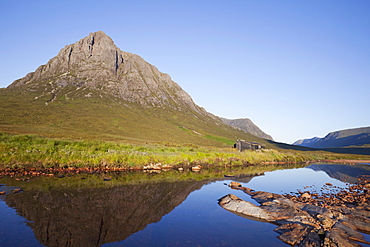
{"x":33,"y":151}
{"x":99,"y":180}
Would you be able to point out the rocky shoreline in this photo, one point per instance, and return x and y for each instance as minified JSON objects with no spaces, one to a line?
{"x":310,"y":219}
{"x":55,"y":171}
{"x":347,"y":161}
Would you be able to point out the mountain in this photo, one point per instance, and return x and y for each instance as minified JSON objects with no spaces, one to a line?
{"x":96,"y":63}
{"x":93,"y":90}
{"x":247,"y":125}
{"x":95,"y":216}
{"x":337,"y":139}
{"x":306,"y":142}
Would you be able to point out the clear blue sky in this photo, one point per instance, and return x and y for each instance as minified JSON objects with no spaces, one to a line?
{"x":297,"y":69}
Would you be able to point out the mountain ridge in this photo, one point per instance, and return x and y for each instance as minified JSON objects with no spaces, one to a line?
{"x":247,"y":125}
{"x":336,"y":139}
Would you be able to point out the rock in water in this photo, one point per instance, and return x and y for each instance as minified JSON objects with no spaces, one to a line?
{"x":301,"y":223}
{"x":235,"y":204}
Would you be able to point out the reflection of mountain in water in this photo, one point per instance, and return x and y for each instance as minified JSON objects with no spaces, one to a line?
{"x":65,"y":216}
{"x":92,"y":217}
{"x":246,"y":178}
{"x":344,"y":173}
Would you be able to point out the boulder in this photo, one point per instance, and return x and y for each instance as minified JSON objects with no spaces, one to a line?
{"x":293,"y":233}
{"x":235,"y":184}
{"x":235,"y":204}
{"x":302,"y":222}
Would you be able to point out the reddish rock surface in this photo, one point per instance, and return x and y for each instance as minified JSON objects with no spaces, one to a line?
{"x":311,"y":219}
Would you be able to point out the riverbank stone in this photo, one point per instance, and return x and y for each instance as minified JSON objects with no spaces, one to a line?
{"x":306,"y":223}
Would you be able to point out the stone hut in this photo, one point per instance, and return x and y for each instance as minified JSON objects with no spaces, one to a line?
{"x":242,"y":145}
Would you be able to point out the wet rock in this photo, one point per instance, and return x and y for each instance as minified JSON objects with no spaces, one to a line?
{"x":152,"y":166}
{"x":342,"y":235}
{"x":309,"y":219}
{"x":16,"y":190}
{"x":235,"y":204}
{"x":306,"y":195}
{"x":19,"y":173}
{"x":293,"y":233}
{"x":228,"y":176}
{"x":312,"y":239}
{"x":235,"y":184}
{"x":196,"y":168}
{"x":361,"y":223}
{"x":167,"y":167}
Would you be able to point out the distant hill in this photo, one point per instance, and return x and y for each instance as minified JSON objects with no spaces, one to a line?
{"x":247,"y":125}
{"x":344,"y":173}
{"x":306,"y":142}
{"x":338,"y":139}
{"x":93,"y":90}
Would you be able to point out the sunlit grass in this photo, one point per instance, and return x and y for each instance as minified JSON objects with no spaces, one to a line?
{"x":33,"y":151}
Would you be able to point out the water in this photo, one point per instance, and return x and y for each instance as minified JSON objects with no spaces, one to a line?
{"x":62,"y":212}
{"x":14,"y":230}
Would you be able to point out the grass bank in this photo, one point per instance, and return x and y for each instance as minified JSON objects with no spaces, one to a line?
{"x":33,"y":151}
{"x":97,"y":180}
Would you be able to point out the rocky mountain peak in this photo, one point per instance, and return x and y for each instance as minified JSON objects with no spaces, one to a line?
{"x":94,"y":44}
{"x":97,"y":48}
{"x":97,"y":63}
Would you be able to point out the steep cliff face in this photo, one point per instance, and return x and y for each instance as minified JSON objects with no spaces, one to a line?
{"x":97,"y":63}
{"x":247,"y":125}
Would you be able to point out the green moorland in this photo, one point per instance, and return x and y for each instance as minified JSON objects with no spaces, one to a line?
{"x":76,"y":130}
{"x":24,"y":151}
{"x":73,"y":115}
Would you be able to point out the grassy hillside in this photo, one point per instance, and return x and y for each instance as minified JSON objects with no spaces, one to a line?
{"x":92,"y":115}
{"x":32,"y":151}
{"x":29,"y":151}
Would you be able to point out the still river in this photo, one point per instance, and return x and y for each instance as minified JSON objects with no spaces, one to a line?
{"x":141,"y":209}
